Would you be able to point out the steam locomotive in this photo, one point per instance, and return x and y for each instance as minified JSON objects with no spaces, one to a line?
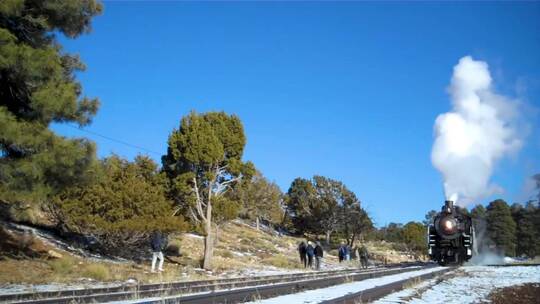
{"x":450,"y":236}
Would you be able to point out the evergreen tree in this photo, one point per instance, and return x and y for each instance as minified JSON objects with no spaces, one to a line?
{"x":527,"y":236}
{"x":430,"y":217}
{"x":414,"y":235}
{"x":299,"y":201}
{"x":501,"y":227}
{"x":203,"y":159}
{"x":38,"y":87}
{"x":479,"y":212}
{"x":259,"y":199}
{"x":123,"y":207}
{"x":393,"y":232}
{"x":357,"y":222}
{"x":331,"y":196}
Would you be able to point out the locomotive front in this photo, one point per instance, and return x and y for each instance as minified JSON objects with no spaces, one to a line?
{"x":450,"y":236}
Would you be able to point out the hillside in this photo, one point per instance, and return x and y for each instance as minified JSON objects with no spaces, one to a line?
{"x":242,"y":250}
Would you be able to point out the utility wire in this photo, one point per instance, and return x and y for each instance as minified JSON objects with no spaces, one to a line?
{"x":114,"y":140}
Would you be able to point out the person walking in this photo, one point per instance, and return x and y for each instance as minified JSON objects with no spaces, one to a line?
{"x":341,"y":252}
{"x":348,"y":253}
{"x":157,"y":244}
{"x":364,"y":254}
{"x":310,"y":251}
{"x":302,"y":252}
{"x":318,"y":255}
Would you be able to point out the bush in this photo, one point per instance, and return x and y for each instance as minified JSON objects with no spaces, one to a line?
{"x":400,"y":247}
{"x":62,"y":266}
{"x":97,"y":272}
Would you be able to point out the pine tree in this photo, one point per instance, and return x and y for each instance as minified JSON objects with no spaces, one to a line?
{"x":38,"y":87}
{"x":501,"y":227}
{"x":527,"y":237}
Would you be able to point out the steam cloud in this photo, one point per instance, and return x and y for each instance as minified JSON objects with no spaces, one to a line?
{"x":479,"y":131}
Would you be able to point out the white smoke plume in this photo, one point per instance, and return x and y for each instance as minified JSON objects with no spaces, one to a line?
{"x":475,"y":135}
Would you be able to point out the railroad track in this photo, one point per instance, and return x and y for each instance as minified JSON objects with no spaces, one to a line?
{"x":208,"y":291}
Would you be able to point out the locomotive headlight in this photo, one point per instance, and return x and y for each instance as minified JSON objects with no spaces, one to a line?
{"x":448,"y":225}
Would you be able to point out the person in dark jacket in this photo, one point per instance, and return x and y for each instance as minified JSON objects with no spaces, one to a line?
{"x":364,"y":256}
{"x":318,"y":255}
{"x":156,"y":244}
{"x":342,"y":251}
{"x":310,"y":251}
{"x":302,"y":252}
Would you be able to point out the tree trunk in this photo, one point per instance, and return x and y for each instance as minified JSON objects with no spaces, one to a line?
{"x":208,"y":241}
{"x":328,"y":232}
{"x":216,"y":237}
{"x":353,"y":237}
{"x":257,"y":221}
{"x":208,"y":251}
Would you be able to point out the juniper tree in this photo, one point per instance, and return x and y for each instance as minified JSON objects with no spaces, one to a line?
{"x":414,"y":236}
{"x":260,"y":199}
{"x":356,"y":221}
{"x":299,"y":201}
{"x":38,"y":87}
{"x":123,"y":207}
{"x":204,"y":158}
{"x":327,"y":210}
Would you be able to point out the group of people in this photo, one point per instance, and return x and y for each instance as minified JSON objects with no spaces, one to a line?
{"x":309,"y":252}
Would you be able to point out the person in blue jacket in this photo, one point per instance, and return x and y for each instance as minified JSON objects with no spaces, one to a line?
{"x":310,"y":251}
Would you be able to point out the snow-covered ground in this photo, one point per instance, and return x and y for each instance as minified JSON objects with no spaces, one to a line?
{"x":469,"y":284}
{"x":27,"y":288}
{"x":323,"y":294}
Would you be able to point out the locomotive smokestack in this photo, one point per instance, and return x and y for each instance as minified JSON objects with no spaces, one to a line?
{"x":448,"y":206}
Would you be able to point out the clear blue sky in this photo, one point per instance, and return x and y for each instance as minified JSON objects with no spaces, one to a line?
{"x":346,"y":90}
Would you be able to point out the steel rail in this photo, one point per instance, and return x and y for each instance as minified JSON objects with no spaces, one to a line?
{"x":9,"y":298}
{"x":240,"y":295}
{"x":175,"y":288}
{"x":373,"y":294}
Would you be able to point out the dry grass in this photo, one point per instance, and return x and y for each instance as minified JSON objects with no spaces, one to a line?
{"x":97,"y":272}
{"x":280,"y":262}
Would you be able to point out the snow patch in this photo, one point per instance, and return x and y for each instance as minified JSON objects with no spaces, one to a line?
{"x":473,"y":286}
{"x":195,"y":236}
{"x":324,"y":294}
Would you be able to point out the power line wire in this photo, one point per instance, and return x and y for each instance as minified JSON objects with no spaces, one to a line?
{"x":114,"y":140}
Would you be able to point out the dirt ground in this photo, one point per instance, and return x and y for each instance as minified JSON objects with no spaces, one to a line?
{"x":522,"y":294}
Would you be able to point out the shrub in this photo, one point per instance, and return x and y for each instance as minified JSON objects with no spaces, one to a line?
{"x":62,"y":266}
{"x":97,"y":272}
{"x":122,"y":208}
